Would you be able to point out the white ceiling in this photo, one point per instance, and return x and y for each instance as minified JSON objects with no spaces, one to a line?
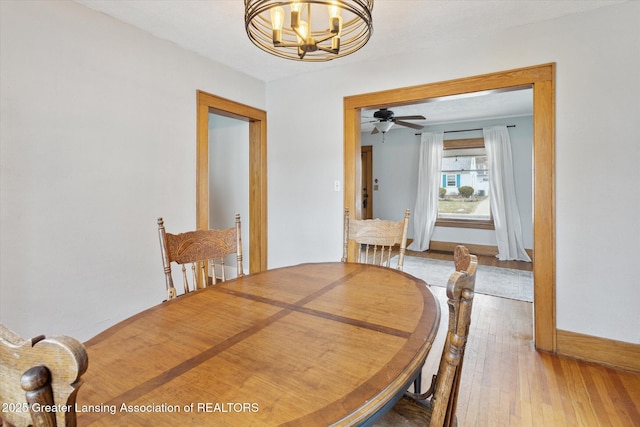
{"x":478,"y":106}
{"x":215,"y":29}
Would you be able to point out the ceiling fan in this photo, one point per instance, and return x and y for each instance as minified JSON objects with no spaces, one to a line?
{"x":385,"y":119}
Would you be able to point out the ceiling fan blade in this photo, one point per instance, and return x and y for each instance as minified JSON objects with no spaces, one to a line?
{"x":410,"y":118}
{"x":374,"y":131}
{"x":409,"y":125}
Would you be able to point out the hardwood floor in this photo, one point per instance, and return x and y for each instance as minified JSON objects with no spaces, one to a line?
{"x":506,"y":382}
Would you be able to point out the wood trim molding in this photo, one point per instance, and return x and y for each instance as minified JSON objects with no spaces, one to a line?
{"x":257,"y":220}
{"x":612,"y":353}
{"x":474,"y":249}
{"x":542,"y":79}
{"x":465,"y":223}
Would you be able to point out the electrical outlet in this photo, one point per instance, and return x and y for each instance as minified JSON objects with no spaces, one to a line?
{"x":336,"y":185}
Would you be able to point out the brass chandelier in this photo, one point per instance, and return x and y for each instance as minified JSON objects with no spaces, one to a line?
{"x":308,"y":30}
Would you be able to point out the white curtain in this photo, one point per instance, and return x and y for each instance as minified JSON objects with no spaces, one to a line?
{"x":426,"y":210}
{"x":504,"y":205}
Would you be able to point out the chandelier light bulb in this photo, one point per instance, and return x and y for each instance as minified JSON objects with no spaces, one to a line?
{"x":277,"y":22}
{"x":335,"y":20}
{"x":334,"y":10}
{"x":277,"y":18}
{"x":296,"y":6}
{"x":303,"y":32}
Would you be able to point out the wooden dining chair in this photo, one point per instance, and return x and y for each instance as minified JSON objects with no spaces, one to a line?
{"x":437,"y":406}
{"x":205,"y":250}
{"x":375,"y":240}
{"x":36,"y":374}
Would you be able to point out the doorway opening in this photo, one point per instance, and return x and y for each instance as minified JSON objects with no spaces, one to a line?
{"x":542,"y":79}
{"x":257,"y":222}
{"x":229,"y":179}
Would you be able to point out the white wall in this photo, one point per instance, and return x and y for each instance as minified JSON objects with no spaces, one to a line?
{"x":97,"y":141}
{"x":597,"y":93}
{"x":395,"y":165}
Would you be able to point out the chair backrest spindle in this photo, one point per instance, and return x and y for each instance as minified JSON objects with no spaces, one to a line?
{"x":374,"y":240}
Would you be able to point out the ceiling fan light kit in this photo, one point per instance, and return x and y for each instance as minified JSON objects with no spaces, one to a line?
{"x":385,"y":119}
{"x":312,"y":31}
{"x":383,"y":126}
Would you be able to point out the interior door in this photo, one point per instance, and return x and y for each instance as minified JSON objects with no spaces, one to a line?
{"x":367,"y":182}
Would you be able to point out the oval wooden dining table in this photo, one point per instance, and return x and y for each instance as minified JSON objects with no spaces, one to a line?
{"x":309,"y":345}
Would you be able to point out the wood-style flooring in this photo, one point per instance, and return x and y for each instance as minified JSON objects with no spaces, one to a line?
{"x":506,"y":382}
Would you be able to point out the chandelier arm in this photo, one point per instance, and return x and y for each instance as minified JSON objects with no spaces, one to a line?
{"x":326,"y":49}
{"x":285,"y":45}
{"x":325,"y":38}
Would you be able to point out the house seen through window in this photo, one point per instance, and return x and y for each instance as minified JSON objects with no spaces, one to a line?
{"x":464,"y":185}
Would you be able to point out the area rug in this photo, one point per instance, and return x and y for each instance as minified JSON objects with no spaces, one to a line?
{"x":495,"y":281}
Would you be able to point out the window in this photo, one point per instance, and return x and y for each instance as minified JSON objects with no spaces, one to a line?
{"x":451,"y":180}
{"x":464,"y":193}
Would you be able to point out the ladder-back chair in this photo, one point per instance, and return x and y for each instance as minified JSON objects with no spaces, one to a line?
{"x":375,"y":239}
{"x":437,"y":406}
{"x":205,"y":250}
{"x":39,"y":374}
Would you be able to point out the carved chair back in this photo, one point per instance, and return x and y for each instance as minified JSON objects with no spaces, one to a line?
{"x":204,"y":250}
{"x":437,"y":406}
{"x":38,"y":375}
{"x":375,"y":239}
{"x":460,"y":293}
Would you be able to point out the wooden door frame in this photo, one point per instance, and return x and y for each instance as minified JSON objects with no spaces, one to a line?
{"x":207,"y":103}
{"x":542,"y":79}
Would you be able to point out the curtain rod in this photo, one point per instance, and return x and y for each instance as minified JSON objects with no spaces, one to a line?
{"x":465,"y":130}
